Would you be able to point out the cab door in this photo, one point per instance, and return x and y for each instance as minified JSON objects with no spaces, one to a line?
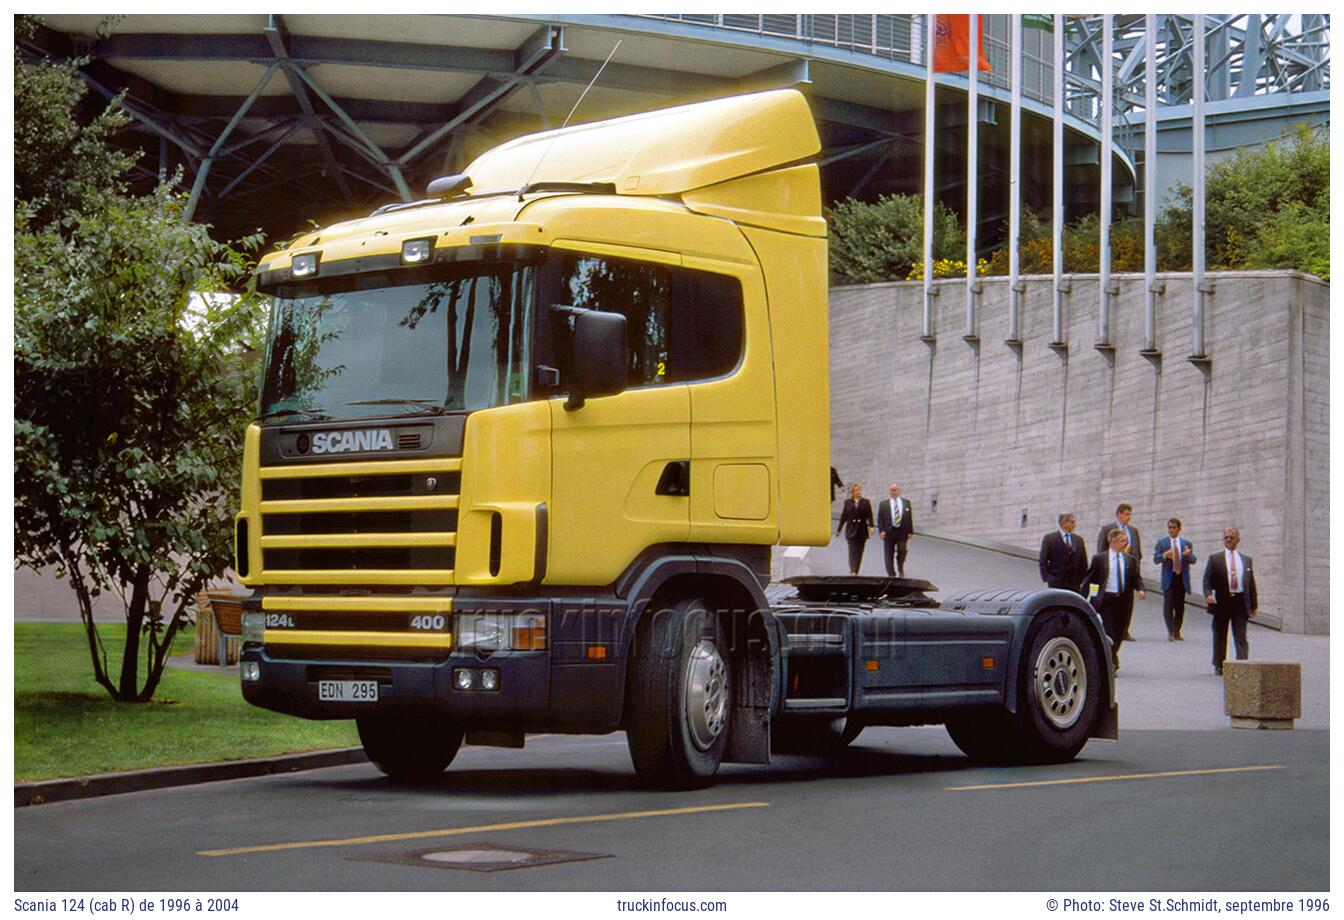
{"x":620,"y":464}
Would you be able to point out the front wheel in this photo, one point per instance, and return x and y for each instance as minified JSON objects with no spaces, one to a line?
{"x":408,"y":747}
{"x":680,"y":703}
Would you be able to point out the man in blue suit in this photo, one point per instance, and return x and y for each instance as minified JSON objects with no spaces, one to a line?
{"x":1176,"y":555}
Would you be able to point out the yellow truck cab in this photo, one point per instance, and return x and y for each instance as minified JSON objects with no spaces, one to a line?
{"x":524,"y":446}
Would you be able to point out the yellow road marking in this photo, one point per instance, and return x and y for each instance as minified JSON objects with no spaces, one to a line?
{"x":1112,"y":779}
{"x":481,"y":829}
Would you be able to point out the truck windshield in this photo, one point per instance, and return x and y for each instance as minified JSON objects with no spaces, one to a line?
{"x":365,"y":346}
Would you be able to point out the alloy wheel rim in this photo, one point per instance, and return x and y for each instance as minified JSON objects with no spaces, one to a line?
{"x":1061,"y":682}
{"x":706,"y":694}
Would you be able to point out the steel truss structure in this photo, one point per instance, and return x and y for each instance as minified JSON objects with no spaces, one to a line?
{"x":296,"y":140}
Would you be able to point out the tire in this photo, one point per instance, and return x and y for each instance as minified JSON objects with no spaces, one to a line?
{"x":680,"y":699}
{"x":409,"y":747}
{"x":1059,"y":691}
{"x":813,"y":736}
{"x":987,"y":737}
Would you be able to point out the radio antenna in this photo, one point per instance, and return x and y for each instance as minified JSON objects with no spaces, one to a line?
{"x":582,"y":96}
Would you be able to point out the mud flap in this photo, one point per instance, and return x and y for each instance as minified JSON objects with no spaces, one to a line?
{"x":749,"y":741}
{"x":1107,"y":724}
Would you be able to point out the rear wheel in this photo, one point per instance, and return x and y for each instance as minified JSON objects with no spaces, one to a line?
{"x":408,"y":747}
{"x":680,"y":704}
{"x":1059,"y":694}
{"x":1059,"y":690}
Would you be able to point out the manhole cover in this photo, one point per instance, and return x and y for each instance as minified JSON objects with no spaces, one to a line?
{"x":482,"y":858}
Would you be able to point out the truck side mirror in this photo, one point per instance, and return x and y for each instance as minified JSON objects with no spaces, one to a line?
{"x":600,"y":355}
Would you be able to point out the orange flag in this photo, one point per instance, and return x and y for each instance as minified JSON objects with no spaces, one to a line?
{"x":952,"y":41}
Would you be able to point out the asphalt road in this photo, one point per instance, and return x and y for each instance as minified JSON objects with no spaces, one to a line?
{"x":1156,"y":811}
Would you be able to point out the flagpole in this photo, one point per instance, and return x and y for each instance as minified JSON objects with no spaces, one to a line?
{"x":1057,"y":176}
{"x":972,"y":167}
{"x":1015,"y":182}
{"x":930,"y":27}
{"x":1107,"y":125}
{"x":1149,"y":183}
{"x":1197,"y":230}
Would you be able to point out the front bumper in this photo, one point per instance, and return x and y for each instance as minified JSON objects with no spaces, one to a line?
{"x":555,"y":689}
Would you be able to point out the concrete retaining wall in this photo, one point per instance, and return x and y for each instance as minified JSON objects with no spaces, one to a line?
{"x":994,"y":441}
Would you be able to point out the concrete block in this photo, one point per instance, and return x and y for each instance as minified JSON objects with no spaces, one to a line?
{"x":1262,"y":694}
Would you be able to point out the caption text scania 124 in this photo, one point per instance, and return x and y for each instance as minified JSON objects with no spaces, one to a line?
{"x":94,"y":904}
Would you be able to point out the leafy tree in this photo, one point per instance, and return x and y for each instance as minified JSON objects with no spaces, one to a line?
{"x":883,"y":241}
{"x":60,"y":165}
{"x":129,"y":402}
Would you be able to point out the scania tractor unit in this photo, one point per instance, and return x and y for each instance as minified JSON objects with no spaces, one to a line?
{"x":523,"y":450}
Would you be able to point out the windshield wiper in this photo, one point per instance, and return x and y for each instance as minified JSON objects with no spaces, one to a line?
{"x":428,"y":406}
{"x":315,"y":414}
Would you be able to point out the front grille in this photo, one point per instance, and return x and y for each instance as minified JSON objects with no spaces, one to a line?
{"x":361,"y":522}
{"x":364,"y":557}
{"x":318,"y":488}
{"x":380,"y":522}
{"x":350,"y":550}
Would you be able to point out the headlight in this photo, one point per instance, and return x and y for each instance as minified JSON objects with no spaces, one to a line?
{"x":496,"y":632}
{"x":250,"y":671}
{"x":254,"y":627}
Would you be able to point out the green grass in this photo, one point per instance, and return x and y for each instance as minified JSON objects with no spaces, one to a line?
{"x":66,"y":725}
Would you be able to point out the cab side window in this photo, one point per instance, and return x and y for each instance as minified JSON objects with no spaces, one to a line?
{"x":681,"y":325}
{"x":642,"y":291}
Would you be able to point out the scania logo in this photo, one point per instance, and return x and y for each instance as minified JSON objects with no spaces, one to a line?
{"x":340,"y":442}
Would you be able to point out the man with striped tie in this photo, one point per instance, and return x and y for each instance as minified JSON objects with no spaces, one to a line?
{"x":1229,"y":589}
{"x":1176,"y":555}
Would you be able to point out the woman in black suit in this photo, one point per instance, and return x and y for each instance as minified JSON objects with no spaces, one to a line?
{"x":856,"y":520}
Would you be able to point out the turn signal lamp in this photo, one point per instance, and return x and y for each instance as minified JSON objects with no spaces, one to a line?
{"x":529,"y":632}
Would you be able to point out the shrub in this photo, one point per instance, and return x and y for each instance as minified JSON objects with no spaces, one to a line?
{"x":883,"y":241}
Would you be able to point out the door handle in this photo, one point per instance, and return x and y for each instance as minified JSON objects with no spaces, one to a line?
{"x":676,"y":479}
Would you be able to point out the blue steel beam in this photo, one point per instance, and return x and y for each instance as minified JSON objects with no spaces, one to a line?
{"x":540,"y":50}
{"x":202,"y":171}
{"x":306,"y":50}
{"x":277,"y":37}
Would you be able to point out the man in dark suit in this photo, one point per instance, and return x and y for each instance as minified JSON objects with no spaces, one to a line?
{"x":1176,"y":555}
{"x":1123,"y":512}
{"x":1063,"y":558}
{"x":1111,"y":583}
{"x":896,"y":524}
{"x":1229,"y":589}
